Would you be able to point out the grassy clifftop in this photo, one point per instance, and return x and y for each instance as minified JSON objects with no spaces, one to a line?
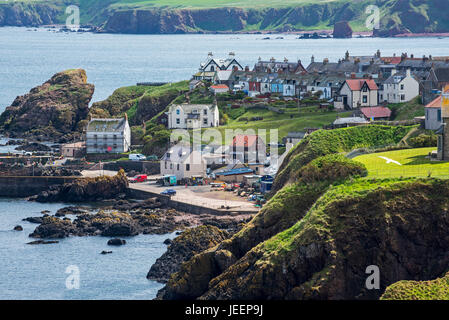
{"x":317,"y":235}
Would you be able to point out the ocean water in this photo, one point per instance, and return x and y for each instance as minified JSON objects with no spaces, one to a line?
{"x":28,"y":58}
{"x":39,"y":271}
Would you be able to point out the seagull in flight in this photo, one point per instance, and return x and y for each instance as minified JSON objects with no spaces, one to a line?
{"x":390,"y":160}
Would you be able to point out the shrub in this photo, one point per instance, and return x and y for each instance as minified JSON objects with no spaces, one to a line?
{"x":424,"y":140}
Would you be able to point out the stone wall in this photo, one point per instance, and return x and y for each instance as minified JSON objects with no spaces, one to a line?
{"x":21,"y":187}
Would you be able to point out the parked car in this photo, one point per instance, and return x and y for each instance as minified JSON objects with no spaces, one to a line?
{"x":153,"y":158}
{"x":169,"y":192}
{"x":139,"y":178}
{"x":137,"y":157}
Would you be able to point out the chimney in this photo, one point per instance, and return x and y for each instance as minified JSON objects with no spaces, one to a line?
{"x":246,"y":68}
{"x":285,"y":59}
{"x":210,"y":55}
{"x":347,"y":56}
{"x":430,"y":57}
{"x":325,"y":61}
{"x":411,"y":56}
{"x":231,"y":54}
{"x":272,"y":59}
{"x":353,"y":75}
{"x":378,"y":53}
{"x":408,"y":73}
{"x":312,"y":60}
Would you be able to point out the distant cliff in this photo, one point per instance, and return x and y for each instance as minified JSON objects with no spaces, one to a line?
{"x":28,"y":14}
{"x":397,"y":16}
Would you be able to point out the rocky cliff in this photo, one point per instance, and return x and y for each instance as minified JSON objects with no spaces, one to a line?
{"x":28,"y":14}
{"x":141,"y":103}
{"x":397,"y":16}
{"x":52,"y":110}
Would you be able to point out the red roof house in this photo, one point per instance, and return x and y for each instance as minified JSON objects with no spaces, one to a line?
{"x":219,"y":88}
{"x":376,"y":113}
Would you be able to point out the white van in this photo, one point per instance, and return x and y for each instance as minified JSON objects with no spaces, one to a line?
{"x":137,"y":157}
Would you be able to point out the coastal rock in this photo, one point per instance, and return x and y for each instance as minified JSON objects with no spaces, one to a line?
{"x":86,"y":189}
{"x":342,"y":29}
{"x":37,"y":220}
{"x":18,"y":228}
{"x":54,"y":109}
{"x":33,"y":146}
{"x":53,"y":228}
{"x":106,"y":252}
{"x":42,"y":242}
{"x":182,"y":248}
{"x":116,"y":242}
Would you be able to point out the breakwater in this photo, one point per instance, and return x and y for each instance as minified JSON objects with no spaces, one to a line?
{"x":21,"y":187}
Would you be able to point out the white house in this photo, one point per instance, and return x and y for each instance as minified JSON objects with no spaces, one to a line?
{"x":433,"y":114}
{"x":219,"y":88}
{"x":108,"y":136}
{"x":399,"y":87}
{"x":213,"y":64}
{"x":193,"y":116}
{"x":289,"y":89}
{"x":355,"y":93}
{"x":181,"y":162}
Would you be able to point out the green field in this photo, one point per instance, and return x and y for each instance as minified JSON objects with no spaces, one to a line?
{"x":290,"y":121}
{"x":413,"y":164}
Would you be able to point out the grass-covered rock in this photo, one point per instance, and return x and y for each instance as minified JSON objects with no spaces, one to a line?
{"x":52,"y":110}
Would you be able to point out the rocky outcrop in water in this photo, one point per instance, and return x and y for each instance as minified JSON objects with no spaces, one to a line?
{"x":54,"y":110}
{"x":342,"y":30}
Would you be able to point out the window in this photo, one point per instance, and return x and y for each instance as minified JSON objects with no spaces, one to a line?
{"x":205,"y":121}
{"x":188,"y":167}
{"x":439,"y":115}
{"x":178,"y":111}
{"x":402,"y":87}
{"x":205,"y":112}
{"x":178,"y":121}
{"x":171,"y":166}
{"x":365,"y":99}
{"x":177,"y":167}
{"x":165,"y":164}
{"x":402,"y":97}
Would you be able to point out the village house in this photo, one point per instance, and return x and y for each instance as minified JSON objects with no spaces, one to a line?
{"x":182,"y":162}
{"x":374,"y":113}
{"x":433,"y":114}
{"x":219,"y":88}
{"x":399,"y":87}
{"x":193,"y":116}
{"x":108,"y":136}
{"x":284,"y":67}
{"x":349,"y":122}
{"x":213,"y":64}
{"x":247,"y":149}
{"x":73,"y":150}
{"x":356,"y":93}
{"x":294,"y":137}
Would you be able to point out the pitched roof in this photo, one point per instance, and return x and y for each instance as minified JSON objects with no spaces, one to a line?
{"x":219,"y":86}
{"x":244,"y":140}
{"x":436,"y":103}
{"x":106,"y":125}
{"x":357,"y":84}
{"x":350,"y":120}
{"x":376,"y":112}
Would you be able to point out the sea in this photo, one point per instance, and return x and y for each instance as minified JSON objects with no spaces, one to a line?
{"x":29,"y":57}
